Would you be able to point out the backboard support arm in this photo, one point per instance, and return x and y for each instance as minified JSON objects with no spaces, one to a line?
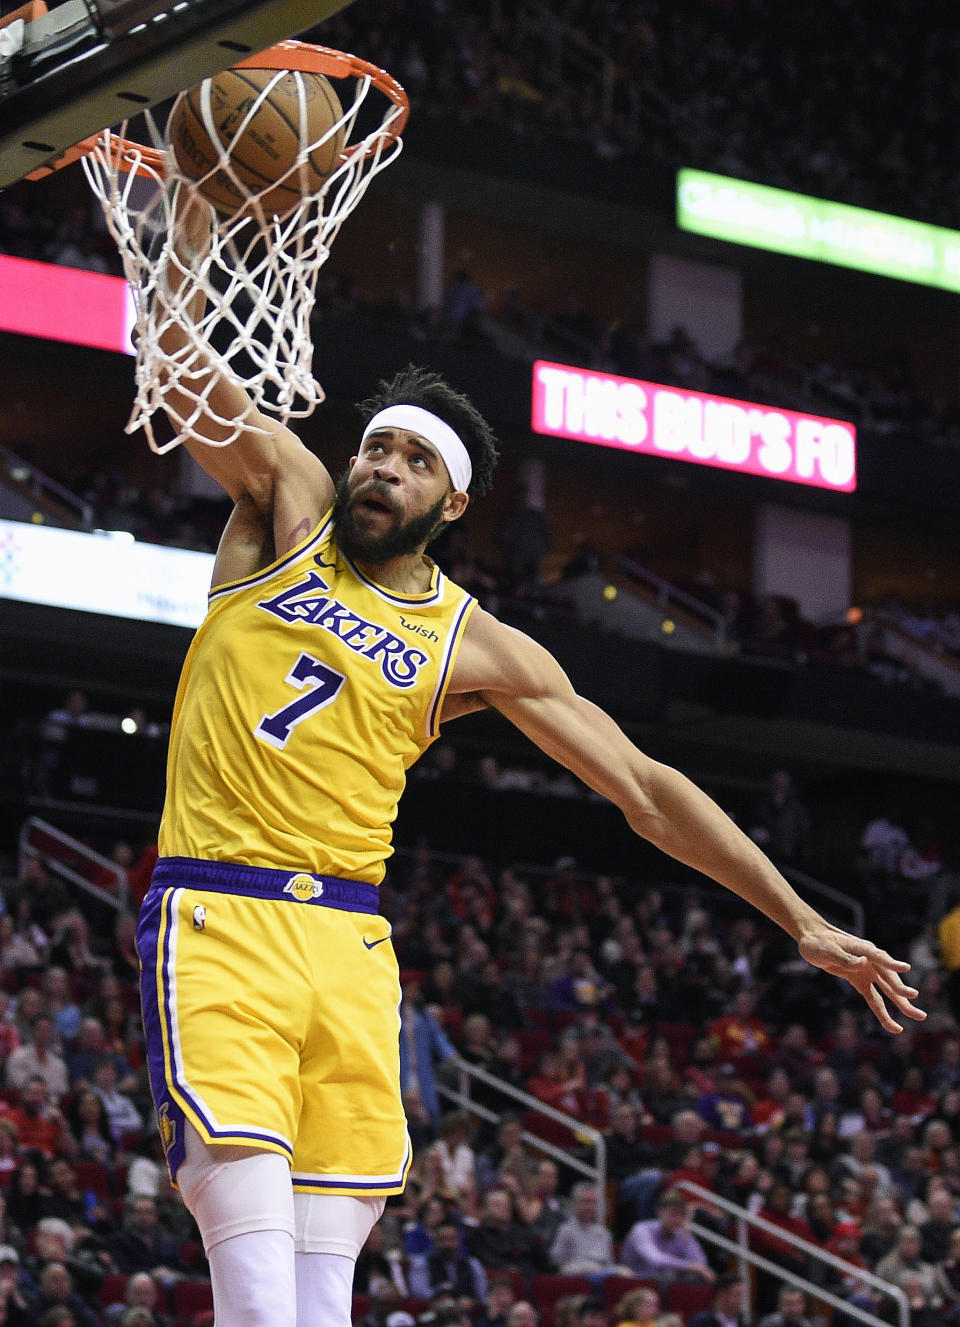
{"x":101,"y":81}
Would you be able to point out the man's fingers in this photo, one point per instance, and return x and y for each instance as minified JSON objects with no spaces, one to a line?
{"x":879,"y":1009}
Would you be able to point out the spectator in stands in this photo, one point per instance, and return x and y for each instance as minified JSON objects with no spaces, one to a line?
{"x":379,"y":1265}
{"x":124,"y":1037}
{"x":70,"y":943}
{"x":662,"y":1094}
{"x":449,"y":1267}
{"x":591,"y":1313}
{"x":38,"y":1059}
{"x":627,"y":1153}
{"x":948,"y":1274}
{"x":501,"y":1297}
{"x":638,"y":1308}
{"x":19,"y":1311}
{"x":454,"y":1155}
{"x":17,"y":950}
{"x":522,"y":1314}
{"x":122,"y":1115}
{"x":558,"y":1080}
{"x":662,"y":1247}
{"x":791,"y":1310}
{"x":63,"y":1198}
{"x":141,"y":1247}
{"x":423,"y":1045}
{"x":507,"y":1161}
{"x":777,"y":1211}
{"x":124,"y":958}
{"x":796,"y":1056}
{"x":862,"y":1155}
{"x":883,"y":842}
{"x":56,"y":1242}
{"x":583,"y":1246}
{"x":41,"y":1126}
{"x":937,"y":1231}
{"x":880,"y":1229}
{"x":541,"y":1211}
{"x":9,"y":1150}
{"x":500,"y":1241}
{"x":726,"y":1105}
{"x":432,"y":1211}
{"x":905,"y":1259}
{"x":740,"y":1031}
{"x":23,"y":1199}
{"x":57,"y":1292}
{"x":726,"y":1310}
{"x":781,"y":821}
{"x":89,"y":1049}
{"x":60,"y":1004}
{"x":688,"y":1132}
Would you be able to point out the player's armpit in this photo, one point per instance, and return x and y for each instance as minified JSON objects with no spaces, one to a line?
{"x":246,"y":545}
{"x":455,"y":707}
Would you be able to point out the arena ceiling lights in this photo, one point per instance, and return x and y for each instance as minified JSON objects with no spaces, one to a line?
{"x":783,"y":222}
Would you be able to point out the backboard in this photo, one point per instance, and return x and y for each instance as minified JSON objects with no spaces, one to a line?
{"x":88,"y":64}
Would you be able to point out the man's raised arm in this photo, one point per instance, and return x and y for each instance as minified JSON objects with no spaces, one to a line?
{"x":267,"y":462}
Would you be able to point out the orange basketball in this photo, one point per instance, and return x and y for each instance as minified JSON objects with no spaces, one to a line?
{"x":266,"y":151}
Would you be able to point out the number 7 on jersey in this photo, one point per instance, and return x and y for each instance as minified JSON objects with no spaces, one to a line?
{"x":323,"y":684}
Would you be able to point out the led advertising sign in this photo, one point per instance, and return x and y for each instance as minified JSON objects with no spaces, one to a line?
{"x":784,"y":222}
{"x":648,"y":418}
{"x":103,"y":573}
{"x":65,"y":304}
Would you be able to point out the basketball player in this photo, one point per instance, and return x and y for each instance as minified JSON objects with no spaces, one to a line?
{"x":332,"y":652}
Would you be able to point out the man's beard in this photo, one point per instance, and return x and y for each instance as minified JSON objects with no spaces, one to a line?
{"x":396,"y":541}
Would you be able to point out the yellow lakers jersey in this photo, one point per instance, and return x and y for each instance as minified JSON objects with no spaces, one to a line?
{"x":307,"y":693}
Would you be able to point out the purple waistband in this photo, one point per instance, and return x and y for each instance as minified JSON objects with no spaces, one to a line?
{"x":330,"y":891}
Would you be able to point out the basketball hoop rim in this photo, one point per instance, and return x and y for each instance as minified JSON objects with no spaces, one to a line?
{"x":304,"y":57}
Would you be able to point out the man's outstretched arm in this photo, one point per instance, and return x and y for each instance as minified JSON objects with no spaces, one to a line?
{"x":525,"y":683}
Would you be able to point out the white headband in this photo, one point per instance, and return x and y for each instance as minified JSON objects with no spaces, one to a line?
{"x":415,"y":419}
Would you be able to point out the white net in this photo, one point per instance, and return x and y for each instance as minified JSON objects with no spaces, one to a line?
{"x":239,"y":308}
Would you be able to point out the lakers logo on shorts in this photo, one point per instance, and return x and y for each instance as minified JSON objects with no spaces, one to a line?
{"x":167,"y":1128}
{"x":303,"y":888}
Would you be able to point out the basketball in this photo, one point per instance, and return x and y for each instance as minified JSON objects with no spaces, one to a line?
{"x":265,"y":152}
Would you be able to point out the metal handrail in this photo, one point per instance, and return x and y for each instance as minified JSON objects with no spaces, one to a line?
{"x":42,"y":484}
{"x":118,"y":900}
{"x":596,"y":1172}
{"x":740,"y":1248}
{"x":811,"y":885}
{"x":668,"y":593}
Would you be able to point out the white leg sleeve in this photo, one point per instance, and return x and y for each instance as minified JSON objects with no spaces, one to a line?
{"x":253,"y":1280}
{"x":235,"y":1190}
{"x":330,"y":1232}
{"x":324,"y":1289}
{"x":243,"y":1203}
{"x":328,"y":1224}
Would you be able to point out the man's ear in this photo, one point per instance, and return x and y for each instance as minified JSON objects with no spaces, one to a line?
{"x":455,"y":505}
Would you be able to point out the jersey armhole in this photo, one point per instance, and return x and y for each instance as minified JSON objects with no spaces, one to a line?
{"x":447,"y":665}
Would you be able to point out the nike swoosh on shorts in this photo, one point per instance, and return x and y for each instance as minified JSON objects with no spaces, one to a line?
{"x":372,"y":944}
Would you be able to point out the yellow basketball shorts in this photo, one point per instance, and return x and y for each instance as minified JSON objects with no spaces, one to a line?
{"x":271,"y":1011}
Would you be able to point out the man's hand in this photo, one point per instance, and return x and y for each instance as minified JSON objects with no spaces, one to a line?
{"x":869,"y":970}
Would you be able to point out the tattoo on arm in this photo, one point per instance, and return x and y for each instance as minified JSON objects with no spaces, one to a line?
{"x":297,"y":533}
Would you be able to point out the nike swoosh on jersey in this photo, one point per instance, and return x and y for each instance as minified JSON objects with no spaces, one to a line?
{"x":372,"y":944}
